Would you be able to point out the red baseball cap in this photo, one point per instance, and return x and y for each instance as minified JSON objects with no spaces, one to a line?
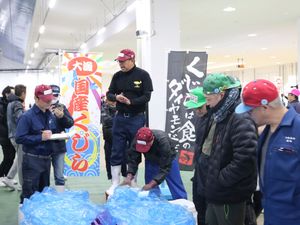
{"x":44,"y":92}
{"x":257,"y":93}
{"x":125,"y":54}
{"x":144,"y":138}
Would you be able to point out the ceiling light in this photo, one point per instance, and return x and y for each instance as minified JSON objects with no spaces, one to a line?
{"x":252,"y":35}
{"x":83,"y":45}
{"x":42,"y":29}
{"x":263,"y":49}
{"x":31,"y":55}
{"x":36,"y":45}
{"x":102,"y":30}
{"x":51,"y":3}
{"x":29,"y":62}
{"x":207,"y":47}
{"x":229,"y":9}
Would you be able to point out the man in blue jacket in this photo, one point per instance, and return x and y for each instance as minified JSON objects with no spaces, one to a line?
{"x":34,"y":131}
{"x":278,"y":152}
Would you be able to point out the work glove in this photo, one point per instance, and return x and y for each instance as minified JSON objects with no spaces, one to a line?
{"x":127,"y":180}
{"x":150,"y":185}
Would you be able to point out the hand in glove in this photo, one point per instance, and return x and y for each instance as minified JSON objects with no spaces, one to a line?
{"x":127,"y":180}
{"x":150,"y":185}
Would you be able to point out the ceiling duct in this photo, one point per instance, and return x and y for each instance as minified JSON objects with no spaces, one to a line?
{"x":15,"y":21}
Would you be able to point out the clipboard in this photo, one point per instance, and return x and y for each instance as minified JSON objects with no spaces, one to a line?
{"x":62,"y":136}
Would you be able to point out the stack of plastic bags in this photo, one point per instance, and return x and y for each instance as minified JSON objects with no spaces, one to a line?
{"x":52,"y":208}
{"x":132,"y":207}
{"x":126,"y":207}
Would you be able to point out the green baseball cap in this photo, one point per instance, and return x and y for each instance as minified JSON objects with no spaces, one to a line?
{"x":197,"y":98}
{"x":235,"y":82}
{"x":218,"y":82}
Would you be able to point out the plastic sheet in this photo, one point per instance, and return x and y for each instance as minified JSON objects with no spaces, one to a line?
{"x":128,"y":207}
{"x":52,"y":208}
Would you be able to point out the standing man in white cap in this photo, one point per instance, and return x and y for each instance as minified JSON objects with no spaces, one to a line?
{"x":131,"y":88}
{"x":61,"y":113}
{"x":278,"y":152}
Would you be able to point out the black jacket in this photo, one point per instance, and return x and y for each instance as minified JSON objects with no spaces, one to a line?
{"x":231,"y":169}
{"x":162,"y":152}
{"x":200,"y":160}
{"x":107,"y":115}
{"x":3,"y":120}
{"x":59,"y":146}
{"x":136,"y":85}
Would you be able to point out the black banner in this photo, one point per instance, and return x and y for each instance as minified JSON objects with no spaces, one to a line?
{"x":186,"y":70}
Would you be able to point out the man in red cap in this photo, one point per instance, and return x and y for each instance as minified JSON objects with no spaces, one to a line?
{"x":34,"y":130}
{"x":278,"y":152}
{"x":160,"y":161}
{"x":131,"y":88}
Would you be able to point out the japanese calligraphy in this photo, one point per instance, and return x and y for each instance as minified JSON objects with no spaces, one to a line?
{"x":179,"y":121}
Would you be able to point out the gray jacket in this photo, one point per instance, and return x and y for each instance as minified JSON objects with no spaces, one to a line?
{"x":14,"y":111}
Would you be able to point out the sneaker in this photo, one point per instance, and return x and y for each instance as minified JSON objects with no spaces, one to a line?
{"x":1,"y":182}
{"x":14,"y":181}
{"x":9,"y":183}
{"x":19,"y":188}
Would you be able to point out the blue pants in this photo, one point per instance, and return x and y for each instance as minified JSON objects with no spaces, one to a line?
{"x":36,"y":175}
{"x":58,"y":163}
{"x":123,"y":131}
{"x":107,"y":153}
{"x":173,"y":179}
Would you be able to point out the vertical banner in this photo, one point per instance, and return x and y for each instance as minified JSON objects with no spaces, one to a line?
{"x":81,"y":88}
{"x":186,"y":70}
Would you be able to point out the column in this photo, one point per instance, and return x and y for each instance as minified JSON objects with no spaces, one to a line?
{"x":158,"y":33}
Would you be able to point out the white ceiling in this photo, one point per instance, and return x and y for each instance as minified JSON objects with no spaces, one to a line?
{"x":203,"y":23}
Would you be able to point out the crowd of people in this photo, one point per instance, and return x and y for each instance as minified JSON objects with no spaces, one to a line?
{"x":231,"y":152}
{"x":25,"y":141}
{"x":247,"y":149}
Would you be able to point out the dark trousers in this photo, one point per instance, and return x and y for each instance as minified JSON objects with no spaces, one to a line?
{"x":199,"y":201}
{"x":124,"y":130}
{"x":9,"y":153}
{"x":107,"y":153}
{"x":36,"y":175}
{"x":173,"y":178}
{"x":226,"y":214}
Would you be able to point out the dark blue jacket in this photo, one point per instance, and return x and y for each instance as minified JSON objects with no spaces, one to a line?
{"x":29,"y":131}
{"x":281,"y":181}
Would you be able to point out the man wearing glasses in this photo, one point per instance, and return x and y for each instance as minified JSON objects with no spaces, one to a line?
{"x":278,"y":151}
